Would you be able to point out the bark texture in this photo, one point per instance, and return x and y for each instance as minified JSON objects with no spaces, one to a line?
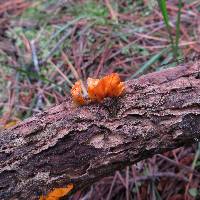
{"x":158,"y":112}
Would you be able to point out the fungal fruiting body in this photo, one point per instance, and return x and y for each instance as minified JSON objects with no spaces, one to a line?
{"x":98,"y":89}
{"x":108,"y":86}
{"x":58,"y":193}
{"x":77,"y":94}
{"x":95,"y":90}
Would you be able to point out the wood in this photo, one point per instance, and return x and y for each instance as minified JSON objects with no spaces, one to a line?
{"x":64,"y":144}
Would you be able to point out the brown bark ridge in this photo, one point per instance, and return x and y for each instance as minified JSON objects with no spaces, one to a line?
{"x":158,"y":112}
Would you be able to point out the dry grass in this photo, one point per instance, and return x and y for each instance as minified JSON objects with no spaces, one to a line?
{"x":46,"y":45}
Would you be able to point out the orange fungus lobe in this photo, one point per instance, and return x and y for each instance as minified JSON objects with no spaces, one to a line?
{"x":77,"y":94}
{"x":57,"y":193}
{"x":108,"y":86}
{"x":98,"y":89}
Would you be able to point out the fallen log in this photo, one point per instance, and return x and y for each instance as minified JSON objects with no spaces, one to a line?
{"x":80,"y":145}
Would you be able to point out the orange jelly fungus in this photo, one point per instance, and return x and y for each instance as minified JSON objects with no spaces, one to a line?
{"x":98,"y":89}
{"x":108,"y":86}
{"x":77,"y":94}
{"x":57,"y":193}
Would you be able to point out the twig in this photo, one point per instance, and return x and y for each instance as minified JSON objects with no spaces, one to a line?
{"x":191,"y":174}
{"x":57,"y":46}
{"x":34,"y":56}
{"x":159,"y":175}
{"x":111,"y":187}
{"x":74,"y":72}
{"x":112,"y":12}
{"x":179,"y":165}
{"x":127,"y":183}
{"x":61,"y":73}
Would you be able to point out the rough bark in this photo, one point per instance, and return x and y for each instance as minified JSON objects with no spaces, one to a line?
{"x":158,"y":112}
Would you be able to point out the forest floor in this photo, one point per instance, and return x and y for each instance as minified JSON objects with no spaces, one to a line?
{"x":46,"y":45}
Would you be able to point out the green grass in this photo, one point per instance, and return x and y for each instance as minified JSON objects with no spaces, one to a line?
{"x":163,"y":7}
{"x":148,"y":64}
{"x":91,"y":10}
{"x":178,"y":28}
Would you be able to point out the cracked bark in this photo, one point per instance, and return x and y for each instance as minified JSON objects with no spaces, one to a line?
{"x":159,"y":112}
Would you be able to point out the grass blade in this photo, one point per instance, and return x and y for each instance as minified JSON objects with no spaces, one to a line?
{"x":149,"y":63}
{"x":163,"y":8}
{"x":178,"y":28}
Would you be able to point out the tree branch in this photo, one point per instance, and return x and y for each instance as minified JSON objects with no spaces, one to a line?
{"x":159,"y":112}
